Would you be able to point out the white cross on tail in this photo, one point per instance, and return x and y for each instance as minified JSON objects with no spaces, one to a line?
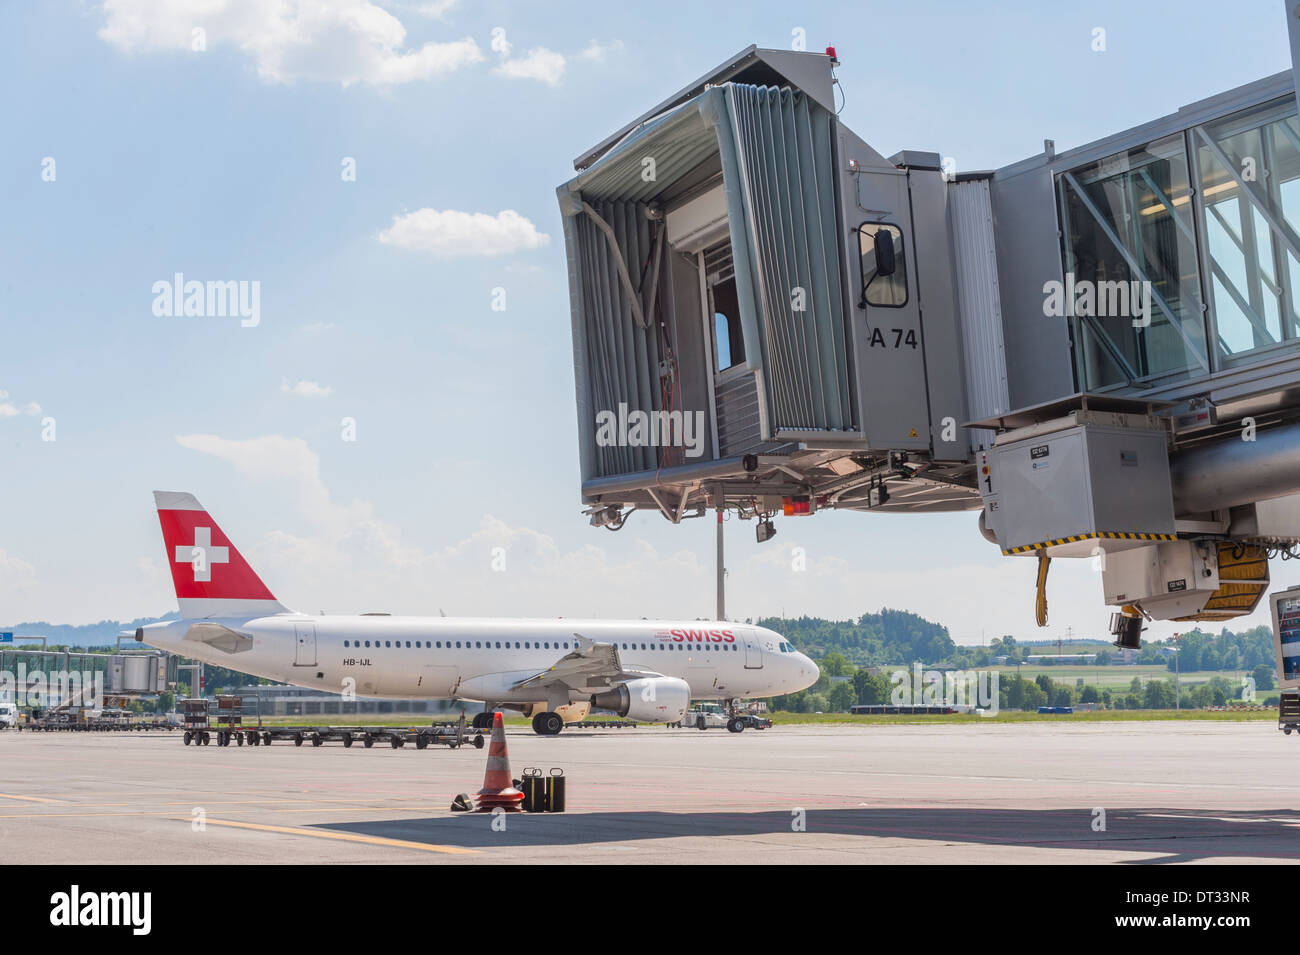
{"x":201,"y":555}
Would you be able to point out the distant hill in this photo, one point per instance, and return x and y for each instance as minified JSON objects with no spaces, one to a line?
{"x":87,"y":635}
{"x":874,"y":639}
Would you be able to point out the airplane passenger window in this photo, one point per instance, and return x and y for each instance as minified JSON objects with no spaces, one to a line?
{"x":345,"y":643}
{"x":367,"y":643}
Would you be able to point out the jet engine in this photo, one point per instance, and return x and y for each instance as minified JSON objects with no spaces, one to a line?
{"x":659,"y":699}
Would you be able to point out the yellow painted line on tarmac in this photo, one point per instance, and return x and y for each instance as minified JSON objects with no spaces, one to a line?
{"x":343,"y":837}
{"x":30,"y":798}
{"x":172,"y":812}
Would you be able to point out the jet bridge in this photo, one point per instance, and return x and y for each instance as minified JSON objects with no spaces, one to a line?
{"x":1097,"y":349}
{"x":724,"y":251}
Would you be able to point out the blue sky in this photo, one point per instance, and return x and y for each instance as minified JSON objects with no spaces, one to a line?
{"x":225,"y":164}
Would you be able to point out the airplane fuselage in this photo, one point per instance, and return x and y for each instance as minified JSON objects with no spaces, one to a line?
{"x":483,"y":659}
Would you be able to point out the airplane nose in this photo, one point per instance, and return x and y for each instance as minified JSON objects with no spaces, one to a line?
{"x":809,"y":672}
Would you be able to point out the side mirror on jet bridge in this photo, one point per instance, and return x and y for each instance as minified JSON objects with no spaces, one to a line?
{"x":885,"y":264}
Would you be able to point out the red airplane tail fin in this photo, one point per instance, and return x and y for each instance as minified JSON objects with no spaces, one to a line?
{"x":211,"y":577}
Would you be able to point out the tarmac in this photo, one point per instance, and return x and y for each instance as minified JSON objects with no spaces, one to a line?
{"x":985,"y":793}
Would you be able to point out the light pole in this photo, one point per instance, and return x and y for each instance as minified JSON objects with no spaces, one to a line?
{"x":722,"y":571}
{"x":1177,"y":675}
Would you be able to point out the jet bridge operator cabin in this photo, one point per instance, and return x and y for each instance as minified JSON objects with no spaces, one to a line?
{"x":1098,"y":350}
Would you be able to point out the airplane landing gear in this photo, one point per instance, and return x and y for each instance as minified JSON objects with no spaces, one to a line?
{"x":547,"y":724}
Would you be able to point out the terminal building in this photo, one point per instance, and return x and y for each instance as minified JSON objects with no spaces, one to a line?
{"x":1097,"y":350}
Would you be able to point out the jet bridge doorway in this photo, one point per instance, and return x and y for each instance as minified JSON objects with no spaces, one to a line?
{"x":736,"y":387}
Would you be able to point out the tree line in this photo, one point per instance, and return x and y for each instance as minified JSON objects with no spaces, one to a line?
{"x":899,"y":637}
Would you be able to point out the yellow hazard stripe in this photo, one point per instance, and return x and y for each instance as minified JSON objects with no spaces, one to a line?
{"x":1094,"y":535}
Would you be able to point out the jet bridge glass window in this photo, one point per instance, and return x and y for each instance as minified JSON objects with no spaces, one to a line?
{"x":1250,"y":196}
{"x":1131,"y":286}
{"x":880,"y":286}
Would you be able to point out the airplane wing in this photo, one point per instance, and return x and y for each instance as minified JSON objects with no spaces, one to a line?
{"x":590,"y":665}
{"x":219,"y":637}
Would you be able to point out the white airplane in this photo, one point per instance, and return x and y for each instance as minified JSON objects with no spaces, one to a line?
{"x":552,"y":670}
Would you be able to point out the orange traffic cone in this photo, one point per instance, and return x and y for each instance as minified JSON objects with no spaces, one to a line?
{"x":498,"y":788}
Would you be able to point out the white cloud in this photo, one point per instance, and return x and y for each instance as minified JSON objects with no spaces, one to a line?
{"x":448,"y":233}
{"x":17,"y":578}
{"x":9,"y":409}
{"x":306,"y":389}
{"x":597,"y":52}
{"x":436,"y":8}
{"x":343,"y":41}
{"x":537,"y":64}
{"x":274,"y":457}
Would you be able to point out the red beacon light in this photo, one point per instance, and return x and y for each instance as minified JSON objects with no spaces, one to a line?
{"x":796,"y":505}
{"x":830,"y":51}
